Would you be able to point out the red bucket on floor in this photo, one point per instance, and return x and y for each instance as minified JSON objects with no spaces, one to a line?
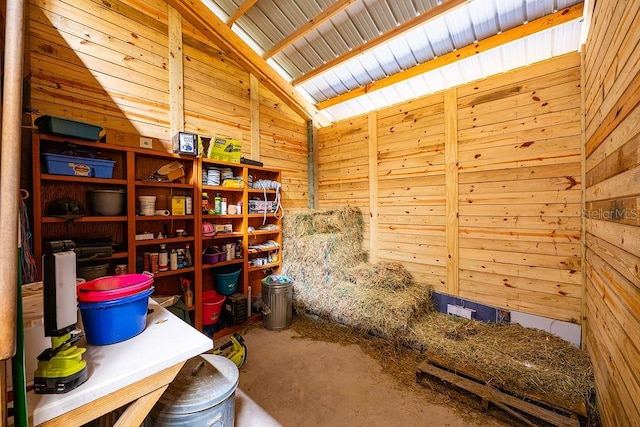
{"x":211,"y":307}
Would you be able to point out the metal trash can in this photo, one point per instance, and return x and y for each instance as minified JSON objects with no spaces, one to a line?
{"x":277,"y":294}
{"x":202,"y":394}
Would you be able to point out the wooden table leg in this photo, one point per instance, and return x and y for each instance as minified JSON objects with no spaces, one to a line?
{"x":135,"y":414}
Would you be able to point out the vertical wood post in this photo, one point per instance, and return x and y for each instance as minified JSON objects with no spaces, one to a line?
{"x":373,"y":186}
{"x":312,"y":164}
{"x":583,"y":206}
{"x":451,"y":189}
{"x":176,"y":73}
{"x":10,"y":184}
{"x":254,"y":111}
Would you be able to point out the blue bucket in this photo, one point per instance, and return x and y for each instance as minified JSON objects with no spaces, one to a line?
{"x":226,"y":281}
{"x":109,"y":322}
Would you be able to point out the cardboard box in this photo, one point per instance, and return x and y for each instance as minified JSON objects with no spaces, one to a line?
{"x":225,"y":149}
{"x":178,"y":204}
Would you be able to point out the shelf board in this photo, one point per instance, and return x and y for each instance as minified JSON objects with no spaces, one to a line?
{"x":222,"y":163}
{"x":224,"y":235}
{"x":160,"y":184}
{"x":84,"y":219}
{"x":262,"y":267}
{"x":261,"y":215}
{"x":82,"y":179}
{"x":162,"y":217}
{"x":218,"y":217}
{"x":115,"y":255}
{"x":261,"y":232}
{"x":173,"y":272}
{"x":163,"y":241}
{"x":223,"y":263}
{"x":221,"y":188}
{"x":260,"y":191}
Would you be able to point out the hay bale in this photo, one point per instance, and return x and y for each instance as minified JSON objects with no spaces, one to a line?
{"x":304,"y":222}
{"x":384,"y":274}
{"x":380,"y":311}
{"x":522,"y":360}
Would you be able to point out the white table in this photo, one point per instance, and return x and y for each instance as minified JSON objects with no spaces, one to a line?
{"x":137,"y":370}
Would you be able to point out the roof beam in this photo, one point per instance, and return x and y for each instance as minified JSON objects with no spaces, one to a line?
{"x":525,"y":30}
{"x":242,"y":9}
{"x":305,"y":29}
{"x":423,"y":18}
{"x":212,"y":27}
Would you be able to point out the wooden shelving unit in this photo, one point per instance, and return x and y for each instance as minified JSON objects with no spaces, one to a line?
{"x":132,"y":167}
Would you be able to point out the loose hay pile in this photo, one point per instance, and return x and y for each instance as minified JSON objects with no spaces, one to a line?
{"x":322,"y":253}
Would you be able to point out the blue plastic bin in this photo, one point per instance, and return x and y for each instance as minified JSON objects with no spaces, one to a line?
{"x":59,"y":164}
{"x":109,"y":322}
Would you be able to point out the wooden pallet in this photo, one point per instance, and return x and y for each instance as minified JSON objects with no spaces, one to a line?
{"x":512,"y":405}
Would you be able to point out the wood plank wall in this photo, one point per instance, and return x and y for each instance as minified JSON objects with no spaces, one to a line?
{"x":108,"y":63}
{"x":510,"y":183}
{"x":612,"y":194}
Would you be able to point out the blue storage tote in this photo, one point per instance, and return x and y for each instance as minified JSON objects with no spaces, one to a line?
{"x":60,"y":164}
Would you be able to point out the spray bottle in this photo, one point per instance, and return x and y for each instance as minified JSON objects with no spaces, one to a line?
{"x":187,"y":294}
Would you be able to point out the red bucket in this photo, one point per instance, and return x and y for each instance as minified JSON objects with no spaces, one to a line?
{"x":109,"y":288}
{"x":211,"y":307}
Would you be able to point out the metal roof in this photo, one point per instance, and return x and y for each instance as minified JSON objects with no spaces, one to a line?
{"x":267,"y":22}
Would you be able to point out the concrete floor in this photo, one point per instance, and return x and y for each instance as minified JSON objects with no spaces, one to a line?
{"x":302,"y":382}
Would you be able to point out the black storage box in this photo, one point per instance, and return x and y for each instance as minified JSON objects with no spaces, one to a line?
{"x":64,"y":127}
{"x":235,"y":309}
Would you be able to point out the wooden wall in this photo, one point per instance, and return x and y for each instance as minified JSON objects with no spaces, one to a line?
{"x":612,"y":151}
{"x":476,"y":190}
{"x":108,"y":63}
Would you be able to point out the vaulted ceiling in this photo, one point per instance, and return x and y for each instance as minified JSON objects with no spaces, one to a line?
{"x":333,"y":59}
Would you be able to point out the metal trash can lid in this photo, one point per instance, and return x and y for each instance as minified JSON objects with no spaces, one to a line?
{"x":203,"y":382}
{"x":277,"y":279}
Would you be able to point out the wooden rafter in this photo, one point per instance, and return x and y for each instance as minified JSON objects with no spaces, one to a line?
{"x":204,"y":20}
{"x":242,"y":9}
{"x":525,"y":30}
{"x":313,"y":23}
{"x":429,"y":15}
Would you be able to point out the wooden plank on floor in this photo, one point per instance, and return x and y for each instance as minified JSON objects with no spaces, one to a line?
{"x":501,"y":399}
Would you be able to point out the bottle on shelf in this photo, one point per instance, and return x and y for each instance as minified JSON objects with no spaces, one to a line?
{"x":223,"y":206}
{"x":173,"y":260}
{"x":205,"y":203}
{"x":188,"y":260}
{"x":187,"y":293}
{"x":163,"y":258}
{"x":180,"y":257}
{"x":217,"y":204}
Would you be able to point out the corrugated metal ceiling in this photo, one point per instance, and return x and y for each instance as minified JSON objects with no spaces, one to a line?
{"x":267,"y":22}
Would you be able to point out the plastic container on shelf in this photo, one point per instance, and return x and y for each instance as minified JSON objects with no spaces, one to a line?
{"x":65,"y":127}
{"x":60,"y":164}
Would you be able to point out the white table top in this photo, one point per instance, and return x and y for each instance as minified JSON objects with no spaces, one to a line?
{"x":166,"y":341}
